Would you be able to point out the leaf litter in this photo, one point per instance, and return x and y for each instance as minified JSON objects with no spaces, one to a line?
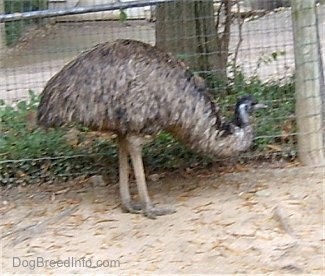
{"x":246,"y":221}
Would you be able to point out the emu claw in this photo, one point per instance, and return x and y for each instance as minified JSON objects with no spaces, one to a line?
{"x":152,"y":212}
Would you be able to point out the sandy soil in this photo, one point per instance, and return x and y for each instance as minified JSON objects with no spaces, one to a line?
{"x":249,"y":221}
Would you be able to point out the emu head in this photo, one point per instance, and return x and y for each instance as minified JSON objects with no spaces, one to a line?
{"x":244,"y":108}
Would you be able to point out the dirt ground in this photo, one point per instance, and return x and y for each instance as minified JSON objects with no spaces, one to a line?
{"x":256,"y":220}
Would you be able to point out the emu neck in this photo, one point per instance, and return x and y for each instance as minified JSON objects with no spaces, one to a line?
{"x":200,"y":131}
{"x":227,"y":143}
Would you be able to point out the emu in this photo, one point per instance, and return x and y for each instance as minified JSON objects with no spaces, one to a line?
{"x":136,"y":90}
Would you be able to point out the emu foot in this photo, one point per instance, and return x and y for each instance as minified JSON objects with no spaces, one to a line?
{"x":148,"y":211}
{"x":152,"y":212}
{"x":132,"y":207}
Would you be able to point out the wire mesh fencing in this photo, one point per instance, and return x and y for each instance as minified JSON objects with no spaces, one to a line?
{"x":238,"y":47}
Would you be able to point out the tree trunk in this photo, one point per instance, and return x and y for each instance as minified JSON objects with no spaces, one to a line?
{"x":188,"y":30}
{"x":308,"y":86}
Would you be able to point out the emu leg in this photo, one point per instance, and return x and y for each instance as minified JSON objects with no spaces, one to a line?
{"x":127,"y":204}
{"x":135,"y":150}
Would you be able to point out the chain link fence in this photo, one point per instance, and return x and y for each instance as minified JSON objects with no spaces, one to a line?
{"x":244,"y":47}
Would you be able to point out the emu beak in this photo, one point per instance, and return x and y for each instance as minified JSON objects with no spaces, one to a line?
{"x":259,"y":106}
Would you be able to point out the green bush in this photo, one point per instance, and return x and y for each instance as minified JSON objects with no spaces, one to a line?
{"x":15,"y":29}
{"x":278,"y":118}
{"x":29,"y":153}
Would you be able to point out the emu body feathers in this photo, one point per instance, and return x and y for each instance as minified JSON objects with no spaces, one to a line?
{"x":135,"y":90}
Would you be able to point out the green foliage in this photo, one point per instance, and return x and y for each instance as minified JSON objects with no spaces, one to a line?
{"x":123,"y":15}
{"x":15,"y":29}
{"x":18,"y":140}
{"x":275,"y":122}
{"x":22,"y":142}
{"x":167,"y":153}
{"x":12,"y":6}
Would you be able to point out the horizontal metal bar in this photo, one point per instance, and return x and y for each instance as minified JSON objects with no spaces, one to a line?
{"x":79,"y":10}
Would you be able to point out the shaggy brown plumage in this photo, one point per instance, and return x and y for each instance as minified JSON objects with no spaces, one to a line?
{"x":136,"y":90}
